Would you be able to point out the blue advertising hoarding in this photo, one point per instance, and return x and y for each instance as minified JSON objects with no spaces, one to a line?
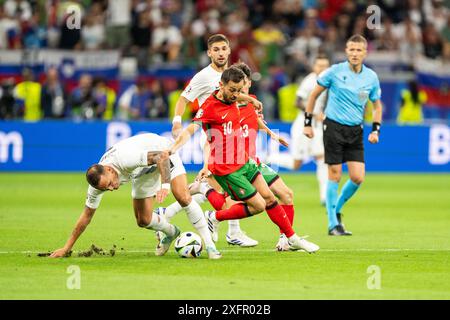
{"x":72,"y":146}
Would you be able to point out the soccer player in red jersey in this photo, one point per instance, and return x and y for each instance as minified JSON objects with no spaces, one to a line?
{"x":250,"y":124}
{"x":231,"y":166}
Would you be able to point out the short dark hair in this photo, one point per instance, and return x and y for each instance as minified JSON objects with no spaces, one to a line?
{"x":244,"y":68}
{"x":217,"y":38}
{"x":357,"y":38}
{"x":232,"y":74}
{"x":94,"y":173}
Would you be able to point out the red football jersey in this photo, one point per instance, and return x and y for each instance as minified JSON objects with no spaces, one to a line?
{"x":250,"y":127}
{"x":220,"y":121}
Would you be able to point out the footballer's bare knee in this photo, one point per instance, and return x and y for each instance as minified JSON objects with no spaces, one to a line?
{"x":287,"y":197}
{"x":257,"y":205}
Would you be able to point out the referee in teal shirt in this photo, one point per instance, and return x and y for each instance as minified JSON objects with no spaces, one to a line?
{"x":350,"y":84}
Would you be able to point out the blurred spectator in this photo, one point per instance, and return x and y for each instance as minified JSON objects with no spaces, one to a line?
{"x":158,"y":107}
{"x":270,"y":39}
{"x":303,"y":50}
{"x":34,"y":34}
{"x":118,"y":23}
{"x":19,"y":9}
{"x":7,"y":99}
{"x":414,"y":12}
{"x":53,"y":96}
{"x":432,"y":42}
{"x":28,"y":97}
{"x":141,"y":38}
{"x":385,"y":38}
{"x":411,"y":105}
{"x":83,"y":104}
{"x":9,"y":31}
{"x":135,"y":102}
{"x":105,"y":98}
{"x":409,"y":36}
{"x":436,"y":13}
{"x":166,"y":42}
{"x":93,"y":30}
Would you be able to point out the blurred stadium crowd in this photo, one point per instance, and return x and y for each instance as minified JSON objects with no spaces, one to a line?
{"x":279,"y":39}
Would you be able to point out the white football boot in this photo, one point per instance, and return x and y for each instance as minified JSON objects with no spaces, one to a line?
{"x":213,"y":253}
{"x":241,"y":239}
{"x":165,"y":242}
{"x":283,"y":244}
{"x":298,"y":243}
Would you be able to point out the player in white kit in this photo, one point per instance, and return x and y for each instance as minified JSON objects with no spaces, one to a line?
{"x":301,"y":146}
{"x":201,"y":86}
{"x":142,"y":159}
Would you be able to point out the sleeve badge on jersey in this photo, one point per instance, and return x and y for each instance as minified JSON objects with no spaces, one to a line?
{"x":199,"y":113}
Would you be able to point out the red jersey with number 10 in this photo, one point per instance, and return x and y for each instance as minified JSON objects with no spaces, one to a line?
{"x":220,"y":121}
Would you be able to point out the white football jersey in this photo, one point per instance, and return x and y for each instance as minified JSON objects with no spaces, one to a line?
{"x":129,"y":158}
{"x":202,"y":85}
{"x":305,"y":89}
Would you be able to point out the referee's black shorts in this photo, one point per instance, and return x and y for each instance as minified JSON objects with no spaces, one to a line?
{"x":342,"y":143}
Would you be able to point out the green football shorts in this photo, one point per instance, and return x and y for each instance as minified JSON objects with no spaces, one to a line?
{"x":268,"y":173}
{"x":239,"y":183}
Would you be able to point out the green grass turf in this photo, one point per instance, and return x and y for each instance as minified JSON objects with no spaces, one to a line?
{"x":400,"y":223}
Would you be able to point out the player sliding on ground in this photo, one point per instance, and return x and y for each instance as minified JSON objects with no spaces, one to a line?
{"x":143,"y":160}
{"x":230,"y":164}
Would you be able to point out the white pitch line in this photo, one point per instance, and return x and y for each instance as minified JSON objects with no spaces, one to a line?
{"x":250,"y":250}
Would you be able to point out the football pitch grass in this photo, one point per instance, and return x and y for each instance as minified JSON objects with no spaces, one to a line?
{"x":400,"y":248}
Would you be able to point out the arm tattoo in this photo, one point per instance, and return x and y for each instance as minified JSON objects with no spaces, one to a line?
{"x":164,"y":168}
{"x":161,"y":159}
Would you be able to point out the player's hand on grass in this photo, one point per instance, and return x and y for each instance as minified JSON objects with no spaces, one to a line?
{"x":176,"y":129}
{"x":373,"y":137}
{"x":59,"y":253}
{"x":308,"y":131}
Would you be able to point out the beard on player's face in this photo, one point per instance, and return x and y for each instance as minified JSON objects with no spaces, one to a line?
{"x":220,"y":63}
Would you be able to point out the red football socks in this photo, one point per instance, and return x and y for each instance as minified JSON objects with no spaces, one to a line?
{"x":280,"y":218}
{"x":289,"y":209}
{"x":237,"y":211}
{"x":216,"y":199}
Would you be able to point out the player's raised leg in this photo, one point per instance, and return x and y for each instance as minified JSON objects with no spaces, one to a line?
{"x":143,"y":211}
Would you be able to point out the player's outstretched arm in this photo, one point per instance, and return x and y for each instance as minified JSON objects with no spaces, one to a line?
{"x":80,"y":226}
{"x":307,"y":130}
{"x":184,"y":137}
{"x":374,"y":136}
{"x":180,"y":107}
{"x":272,"y":134}
{"x":256,"y":103}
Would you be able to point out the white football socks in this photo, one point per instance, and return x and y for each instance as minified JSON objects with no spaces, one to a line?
{"x":160,"y":224}
{"x":195,"y":215}
{"x":175,"y":207}
{"x":234,"y":226}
